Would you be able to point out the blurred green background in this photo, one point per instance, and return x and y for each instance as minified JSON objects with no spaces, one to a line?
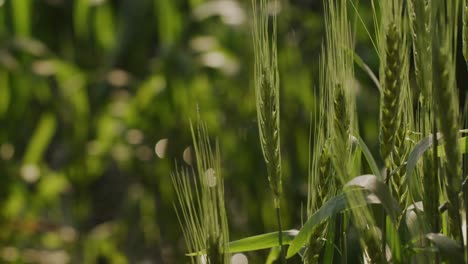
{"x":89,"y":89}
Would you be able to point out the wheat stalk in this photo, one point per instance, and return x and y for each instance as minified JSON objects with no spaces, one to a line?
{"x":444,"y":47}
{"x":447,"y":117}
{"x":465,"y":31}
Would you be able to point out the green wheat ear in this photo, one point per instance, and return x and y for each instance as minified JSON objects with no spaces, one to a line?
{"x":267,"y":100}
{"x":420,"y":19}
{"x":391,"y":94}
{"x":267,"y":93}
{"x":201,"y":209}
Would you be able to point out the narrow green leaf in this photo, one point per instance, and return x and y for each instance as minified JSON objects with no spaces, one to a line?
{"x":331,"y":207}
{"x":273,"y":255}
{"x":359,"y":62}
{"x":264,"y":241}
{"x":41,"y":138}
{"x":422,"y":146}
{"x":449,"y":249}
{"x":373,"y":185}
{"x":370,"y":159}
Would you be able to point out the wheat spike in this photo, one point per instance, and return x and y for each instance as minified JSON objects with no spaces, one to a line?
{"x":391,"y":96}
{"x":420,"y":23}
{"x":399,"y":153}
{"x":267,"y":93}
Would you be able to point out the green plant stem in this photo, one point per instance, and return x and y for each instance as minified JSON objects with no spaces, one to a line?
{"x":435,"y":184}
{"x":384,"y":220}
{"x":465,"y":201}
{"x":344,"y":248}
{"x":280,"y":231}
{"x":338,"y":239}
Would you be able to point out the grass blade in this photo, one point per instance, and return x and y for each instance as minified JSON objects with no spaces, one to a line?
{"x":415,"y":155}
{"x":359,"y":62}
{"x":370,"y":159}
{"x":264,"y":241}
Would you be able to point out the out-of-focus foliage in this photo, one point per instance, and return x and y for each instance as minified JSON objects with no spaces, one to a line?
{"x":95,"y":102}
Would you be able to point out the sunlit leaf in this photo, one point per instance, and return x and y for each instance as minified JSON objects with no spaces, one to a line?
{"x":273,"y":255}
{"x":258,"y":242}
{"x":264,"y":241}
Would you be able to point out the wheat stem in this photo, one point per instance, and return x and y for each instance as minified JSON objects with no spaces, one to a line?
{"x":465,"y":31}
